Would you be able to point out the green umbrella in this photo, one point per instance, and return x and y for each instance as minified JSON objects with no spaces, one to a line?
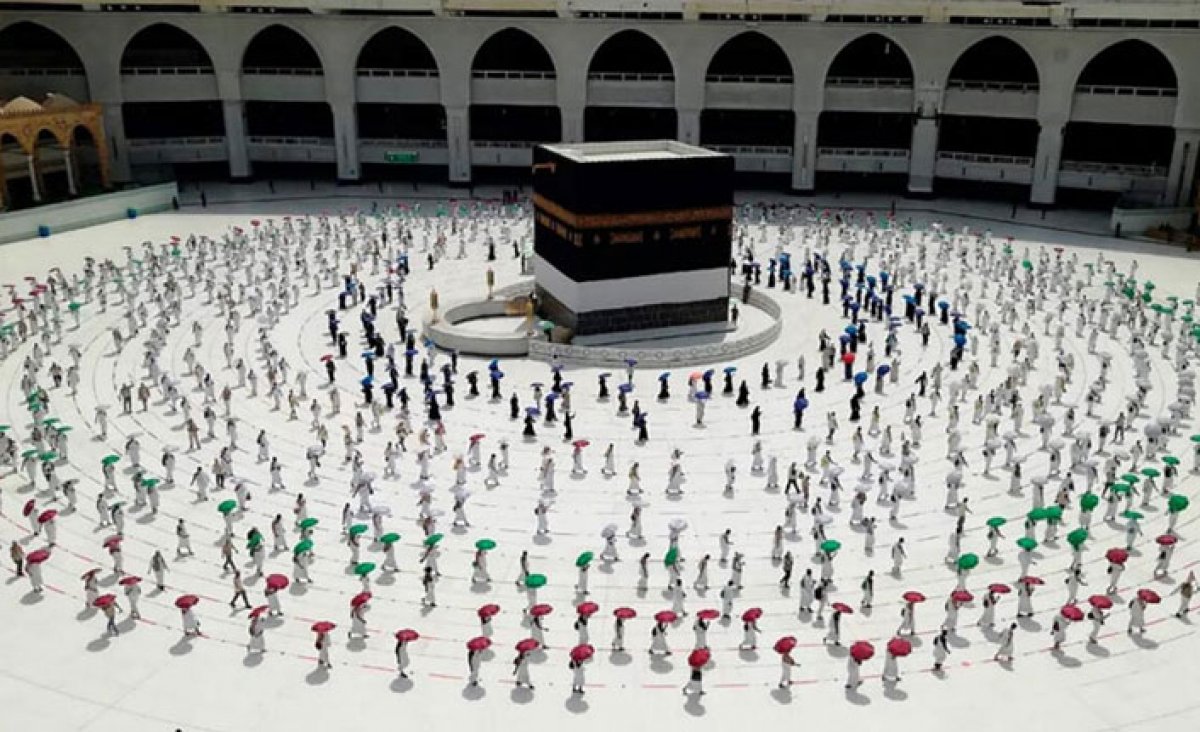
{"x":584,"y":559}
{"x":5,"y":428}
{"x":485,"y":545}
{"x":150,"y":483}
{"x":31,"y":452}
{"x":309,"y":522}
{"x":389,"y":538}
{"x":110,"y":459}
{"x":829,"y":546}
{"x":1077,"y":537}
{"x":1088,"y":501}
{"x":433,"y":539}
{"x":227,"y":507}
{"x":1120,"y":489}
{"x":1151,"y":472}
{"x":1131,"y":477}
{"x":253,"y":542}
{"x":997,"y":521}
{"x":1026,"y":264}
{"x":1177,"y":503}
{"x":671,"y":556}
{"x":362,"y":569}
{"x":1054,"y":513}
{"x":48,"y":456}
{"x":1027,"y":543}
{"x":535,"y":581}
{"x":1170,"y":460}
{"x":968,"y":561}
{"x":1132,"y":515}
{"x":302,"y":547}
{"x":63,"y":428}
{"x":1037,"y":514}
{"x":50,"y":421}
{"x":545,"y":325}
{"x":74,"y":306}
{"x":358,"y":529}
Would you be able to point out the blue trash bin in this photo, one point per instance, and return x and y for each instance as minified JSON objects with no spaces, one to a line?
{"x":43,"y":231}
{"x":131,"y":213}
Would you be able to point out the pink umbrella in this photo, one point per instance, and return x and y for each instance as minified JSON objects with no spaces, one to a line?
{"x":258,"y":611}
{"x":37,"y":556}
{"x":540,"y":610}
{"x":128,"y":580}
{"x":360,"y":599}
{"x":899,"y":647}
{"x":699,"y":657}
{"x":752,"y":614}
{"x":999,"y":588}
{"x":488,"y":611}
{"x":407,"y":635}
{"x":527,"y":645}
{"x":587,"y":608}
{"x":47,"y":516}
{"x":183,"y":602}
{"x":277,"y":581}
{"x":104,"y":601}
{"x":1163,"y":540}
{"x":1116,"y":555}
{"x":961,"y":596}
{"x":843,"y":608}
{"x":625,"y":613}
{"x":323,"y":626}
{"x":1100,"y":602}
{"x":785,"y":644}
{"x":665,"y":616}
{"x":708,"y":614}
{"x":1071,"y":612}
{"x":1149,"y":596}
{"x":913,"y":596}
{"x":582,"y":653}
{"x":479,"y":643}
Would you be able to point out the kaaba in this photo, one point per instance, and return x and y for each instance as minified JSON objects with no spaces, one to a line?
{"x":631,"y":236}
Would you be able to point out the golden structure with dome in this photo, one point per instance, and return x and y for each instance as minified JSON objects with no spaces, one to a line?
{"x":56,"y":131}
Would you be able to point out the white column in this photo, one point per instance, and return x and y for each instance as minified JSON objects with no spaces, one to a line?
{"x":33,"y":178}
{"x":922,"y":156}
{"x":572,"y":122}
{"x":235,"y":138}
{"x":688,"y":123}
{"x":1183,"y":168}
{"x":345,"y":132}
{"x":804,"y":152}
{"x":69,"y":166}
{"x":458,"y":139}
{"x":1046,"y":163}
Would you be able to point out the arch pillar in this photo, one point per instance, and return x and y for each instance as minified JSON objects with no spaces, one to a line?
{"x":922,"y":154}
{"x":233,"y":111}
{"x":1182,"y":172}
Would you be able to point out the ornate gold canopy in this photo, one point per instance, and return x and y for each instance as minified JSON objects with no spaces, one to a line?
{"x":23,"y":121}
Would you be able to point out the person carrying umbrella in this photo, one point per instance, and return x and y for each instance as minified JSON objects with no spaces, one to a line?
{"x":257,"y":644}
{"x":1005,"y":653}
{"x":521,"y":665}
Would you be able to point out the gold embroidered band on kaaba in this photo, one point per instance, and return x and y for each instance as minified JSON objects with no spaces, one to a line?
{"x":583,"y":222}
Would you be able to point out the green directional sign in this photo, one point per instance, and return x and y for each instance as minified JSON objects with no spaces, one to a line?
{"x":400,"y":156}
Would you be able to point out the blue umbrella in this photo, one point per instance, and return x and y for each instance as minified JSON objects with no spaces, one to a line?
{"x":861,"y":377}
{"x":709,"y":374}
{"x":851,"y":330}
{"x":664,"y":376}
{"x":703,"y":396}
{"x":883,"y":370}
{"x":497,"y":374}
{"x":960,"y":339}
{"x":410,"y":351}
{"x":493,"y":364}
{"x":625,"y":388}
{"x":962,"y":325}
{"x":368,"y":354}
{"x":556,"y":368}
{"x":537,"y":385}
{"x":367,"y":381}
{"x":532,"y":411}
{"x":943,"y":304}
{"x":800,"y":404}
{"x":909,"y":299}
{"x":567,"y":385}
{"x":551,"y":397}
{"x":631,"y":362}
{"x":920,"y":311}
{"x":605,"y":374}
{"x":844,"y":338}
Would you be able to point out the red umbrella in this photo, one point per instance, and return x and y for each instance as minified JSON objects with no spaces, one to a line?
{"x":128,"y":580}
{"x":665,"y":616}
{"x":259,"y":611}
{"x":527,"y":645}
{"x":1101,"y":602}
{"x":477,"y":437}
{"x":752,"y":614}
{"x":91,"y":572}
{"x":1148,"y":595}
{"x":785,"y":644}
{"x":37,"y":556}
{"x":407,"y":635}
{"x":913,"y":596}
{"x":540,"y":610}
{"x":580,"y":443}
{"x":961,"y":596}
{"x":899,"y":647}
{"x":1031,"y":580}
{"x":360,"y":599}
{"x":587,"y":608}
{"x":112,"y":541}
{"x":49,"y":514}
{"x":1116,"y":555}
{"x":323,"y":626}
{"x":29,"y":506}
{"x":277,"y":581}
{"x":479,"y":643}
{"x":841,"y":607}
{"x":999,"y":588}
{"x":327,"y":357}
{"x":699,"y":657}
{"x":625,"y":613}
{"x":254,"y":222}
{"x":1163,"y":540}
{"x":848,"y":357}
{"x":104,"y":601}
{"x":708,"y":614}
{"x":1072,"y":613}
{"x":183,"y":602}
{"x":582,"y":652}
{"x":488,"y":611}
{"x":862,"y":651}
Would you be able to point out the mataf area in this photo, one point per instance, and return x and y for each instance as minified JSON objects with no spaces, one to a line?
{"x":954,"y":491}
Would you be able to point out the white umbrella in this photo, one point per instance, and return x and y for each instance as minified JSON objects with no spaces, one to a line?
{"x":836,"y":470}
{"x":381,"y":509}
{"x":609,"y":531}
{"x":677,"y":524}
{"x":823,"y":519}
